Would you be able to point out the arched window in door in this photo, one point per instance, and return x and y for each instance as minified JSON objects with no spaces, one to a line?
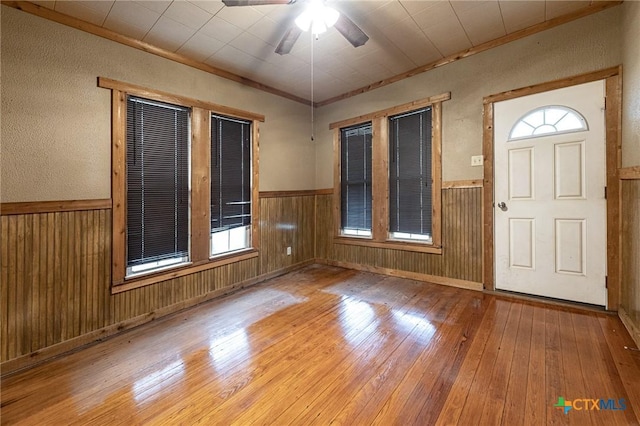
{"x":548,"y":120}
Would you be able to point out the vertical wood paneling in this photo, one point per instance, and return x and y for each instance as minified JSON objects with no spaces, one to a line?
{"x":19,"y":294}
{"x":324,"y":226}
{"x":286,"y":222}
{"x":51,"y":271}
{"x":630,"y":250}
{"x":56,"y":272}
{"x":95,"y":315}
{"x":4,"y":288}
{"x":72,"y":256}
{"x":461,"y":256}
{"x":12,"y":303}
{"x":42,"y":282}
{"x":28,"y":278}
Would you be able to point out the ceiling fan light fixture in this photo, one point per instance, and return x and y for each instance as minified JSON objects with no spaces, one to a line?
{"x":304,"y":21}
{"x":318,"y":27}
{"x":317,"y":17}
{"x":330,"y":16}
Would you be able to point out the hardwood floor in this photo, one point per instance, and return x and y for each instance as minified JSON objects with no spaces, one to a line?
{"x":328,"y":345}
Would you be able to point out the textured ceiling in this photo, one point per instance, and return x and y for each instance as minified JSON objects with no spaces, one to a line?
{"x":404,"y":35}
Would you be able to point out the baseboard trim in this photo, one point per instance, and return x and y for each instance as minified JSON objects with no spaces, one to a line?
{"x":451,"y":282}
{"x":77,"y":343}
{"x":632,"y":328}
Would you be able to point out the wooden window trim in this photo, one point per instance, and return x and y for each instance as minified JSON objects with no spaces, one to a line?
{"x":398,"y":109}
{"x":200,"y":256}
{"x":183,"y":270}
{"x":388,"y":244}
{"x":380,"y":163}
{"x":158,"y":95}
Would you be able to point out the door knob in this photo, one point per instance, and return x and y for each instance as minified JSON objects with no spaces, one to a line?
{"x":502,"y":206}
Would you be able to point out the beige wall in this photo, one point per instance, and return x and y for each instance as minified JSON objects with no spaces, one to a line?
{"x":56,"y":121}
{"x":588,"y":44}
{"x":631,"y":84}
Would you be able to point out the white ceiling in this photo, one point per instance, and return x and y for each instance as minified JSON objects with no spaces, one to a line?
{"x":404,"y":34}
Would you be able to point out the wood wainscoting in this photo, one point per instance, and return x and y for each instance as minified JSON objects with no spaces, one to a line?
{"x":460,"y":263}
{"x":56,"y":274}
{"x":286,"y":221}
{"x":629,"y":309}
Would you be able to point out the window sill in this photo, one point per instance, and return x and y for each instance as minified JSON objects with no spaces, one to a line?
{"x":356,"y":237}
{"x":157,"y":270}
{"x":232,"y":254}
{"x":393,"y":245}
{"x":182,"y":270}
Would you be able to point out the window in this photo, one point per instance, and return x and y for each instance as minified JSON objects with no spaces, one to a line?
{"x":157,"y":185}
{"x":356,"y":180}
{"x":548,"y":120}
{"x":410,"y":176}
{"x":387,"y":177}
{"x":184,"y":185}
{"x":230,"y":184}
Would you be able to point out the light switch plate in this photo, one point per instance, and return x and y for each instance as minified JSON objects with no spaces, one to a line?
{"x":476,"y":160}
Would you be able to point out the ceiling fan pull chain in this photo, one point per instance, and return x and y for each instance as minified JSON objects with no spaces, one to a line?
{"x":313,"y":127}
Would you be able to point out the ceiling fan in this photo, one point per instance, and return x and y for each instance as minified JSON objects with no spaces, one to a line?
{"x":316,"y":17}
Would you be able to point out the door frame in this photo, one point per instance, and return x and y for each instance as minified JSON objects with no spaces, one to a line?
{"x":613,"y":123}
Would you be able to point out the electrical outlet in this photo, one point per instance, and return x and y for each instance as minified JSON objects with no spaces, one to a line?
{"x":288,"y":251}
{"x":476,"y":160}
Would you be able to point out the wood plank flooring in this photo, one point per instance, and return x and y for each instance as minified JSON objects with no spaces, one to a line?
{"x":327,"y":345}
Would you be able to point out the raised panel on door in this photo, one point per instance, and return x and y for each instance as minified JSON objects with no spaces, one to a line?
{"x":522,"y":243}
{"x":571,"y":250}
{"x":521,"y":179}
{"x":569,"y":170}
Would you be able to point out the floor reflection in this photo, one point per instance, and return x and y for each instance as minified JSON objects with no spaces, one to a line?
{"x":414,"y":323}
{"x":151,"y":385}
{"x":230,"y":349}
{"x":354,"y":316}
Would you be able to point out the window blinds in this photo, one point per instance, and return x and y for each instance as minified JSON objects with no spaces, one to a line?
{"x":230,"y":173}
{"x":355,"y":182}
{"x":410,"y":181}
{"x":157,"y":181}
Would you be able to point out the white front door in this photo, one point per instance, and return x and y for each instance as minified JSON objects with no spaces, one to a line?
{"x":549,"y":183}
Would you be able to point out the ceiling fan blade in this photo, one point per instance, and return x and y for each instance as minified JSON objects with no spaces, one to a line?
{"x":231,"y":3}
{"x":351,"y":31}
{"x":289,"y":39}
